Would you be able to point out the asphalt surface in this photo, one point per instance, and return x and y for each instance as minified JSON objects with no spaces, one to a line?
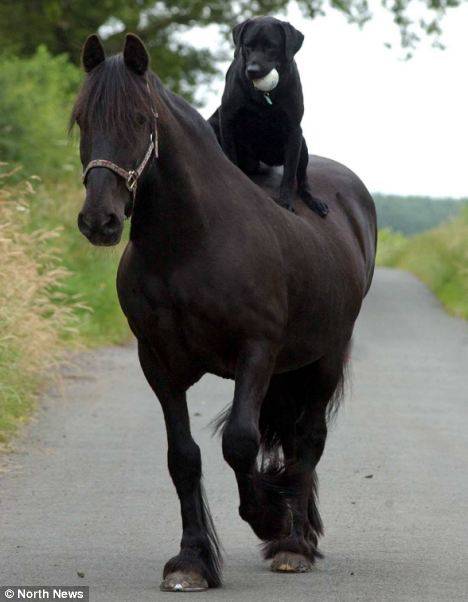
{"x":87,"y":489}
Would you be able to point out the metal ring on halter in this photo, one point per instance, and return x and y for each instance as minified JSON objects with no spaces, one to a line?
{"x":131,"y":180}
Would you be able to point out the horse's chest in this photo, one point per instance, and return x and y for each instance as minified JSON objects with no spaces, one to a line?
{"x":184,"y":326}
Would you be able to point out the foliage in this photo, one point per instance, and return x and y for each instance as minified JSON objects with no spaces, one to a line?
{"x":34,"y":314}
{"x":63,"y":26}
{"x":439,"y":257}
{"x":390,"y":246}
{"x":413,"y":214}
{"x":35,"y":98}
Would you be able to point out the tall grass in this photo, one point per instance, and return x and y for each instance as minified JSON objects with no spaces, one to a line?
{"x":439,"y":257}
{"x":390,"y":247}
{"x":92,"y":270}
{"x":35,"y":314}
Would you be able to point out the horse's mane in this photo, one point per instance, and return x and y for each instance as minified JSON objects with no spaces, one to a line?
{"x":113,"y":99}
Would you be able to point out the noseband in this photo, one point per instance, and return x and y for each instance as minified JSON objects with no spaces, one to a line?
{"x":130,"y":176}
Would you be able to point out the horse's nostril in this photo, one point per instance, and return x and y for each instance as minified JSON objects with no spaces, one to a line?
{"x":100,"y":228}
{"x":112,"y":223}
{"x":83,"y":225}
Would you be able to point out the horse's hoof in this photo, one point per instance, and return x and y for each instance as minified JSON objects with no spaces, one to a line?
{"x":290,"y":562}
{"x":184,"y":582}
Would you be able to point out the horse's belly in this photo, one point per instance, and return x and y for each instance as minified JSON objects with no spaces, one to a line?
{"x":308,"y":345}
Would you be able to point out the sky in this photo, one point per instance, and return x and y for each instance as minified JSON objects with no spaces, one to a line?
{"x":402,"y":126}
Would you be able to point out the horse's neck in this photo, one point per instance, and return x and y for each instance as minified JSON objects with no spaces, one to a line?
{"x":172,"y":208}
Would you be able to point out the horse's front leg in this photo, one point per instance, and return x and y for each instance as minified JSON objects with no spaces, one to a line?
{"x":241,"y":439}
{"x":197,"y":566}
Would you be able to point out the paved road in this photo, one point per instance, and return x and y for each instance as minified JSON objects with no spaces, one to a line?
{"x":88,"y":489}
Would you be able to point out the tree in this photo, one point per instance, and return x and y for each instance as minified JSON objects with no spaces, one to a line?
{"x":63,"y":25}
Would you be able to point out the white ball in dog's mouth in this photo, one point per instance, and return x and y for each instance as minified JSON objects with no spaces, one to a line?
{"x":267,"y":83}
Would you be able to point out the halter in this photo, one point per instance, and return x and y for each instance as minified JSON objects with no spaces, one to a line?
{"x":130,"y":176}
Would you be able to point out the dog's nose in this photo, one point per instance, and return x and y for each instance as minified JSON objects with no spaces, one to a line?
{"x":253,"y":70}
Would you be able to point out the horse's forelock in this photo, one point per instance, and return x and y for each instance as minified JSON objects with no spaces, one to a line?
{"x":112,"y":97}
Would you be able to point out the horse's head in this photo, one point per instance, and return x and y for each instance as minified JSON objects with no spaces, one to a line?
{"x":115,"y":111}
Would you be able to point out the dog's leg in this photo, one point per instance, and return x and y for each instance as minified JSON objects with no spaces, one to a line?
{"x":291,"y":161}
{"x":303,"y":187}
{"x":248,"y":160}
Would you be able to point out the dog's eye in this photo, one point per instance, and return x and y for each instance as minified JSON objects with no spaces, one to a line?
{"x":269,"y":48}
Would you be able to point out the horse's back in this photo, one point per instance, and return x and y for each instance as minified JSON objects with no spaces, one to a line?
{"x":352,"y":217}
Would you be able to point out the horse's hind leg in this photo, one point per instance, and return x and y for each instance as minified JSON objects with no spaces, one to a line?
{"x":197,"y":566}
{"x":311,"y":389}
{"x":296,"y":552}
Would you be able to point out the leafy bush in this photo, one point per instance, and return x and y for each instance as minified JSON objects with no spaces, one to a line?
{"x":36,"y":94}
{"x":34,"y":314}
{"x":413,"y":214}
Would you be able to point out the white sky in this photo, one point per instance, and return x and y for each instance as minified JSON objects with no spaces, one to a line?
{"x":402,"y":126}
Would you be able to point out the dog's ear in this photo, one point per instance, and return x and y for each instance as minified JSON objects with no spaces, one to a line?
{"x":237,"y":34}
{"x":135,"y":54}
{"x":293,"y":39}
{"x":93,"y":53}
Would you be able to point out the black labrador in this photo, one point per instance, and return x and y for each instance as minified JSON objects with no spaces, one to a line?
{"x":262,"y":107}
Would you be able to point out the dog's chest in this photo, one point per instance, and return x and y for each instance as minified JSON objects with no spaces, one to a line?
{"x":268,"y":126}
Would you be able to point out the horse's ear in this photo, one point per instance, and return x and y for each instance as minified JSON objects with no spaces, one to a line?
{"x":292,"y":40}
{"x":237,"y":34}
{"x":135,"y":54}
{"x":93,"y":53}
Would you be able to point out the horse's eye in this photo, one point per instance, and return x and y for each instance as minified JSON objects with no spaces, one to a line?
{"x":140,"y":119}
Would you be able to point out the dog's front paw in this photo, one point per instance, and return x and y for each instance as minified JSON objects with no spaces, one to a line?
{"x":315,"y":204}
{"x":320,"y":207}
{"x":287,"y":203}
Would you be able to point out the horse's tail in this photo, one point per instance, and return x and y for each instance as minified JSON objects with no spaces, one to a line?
{"x":213,"y":560}
{"x":208,"y":551}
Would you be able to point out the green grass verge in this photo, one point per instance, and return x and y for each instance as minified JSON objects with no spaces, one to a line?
{"x":56,"y":291}
{"x":17,"y":397}
{"x":438,"y":257}
{"x":92,"y":270}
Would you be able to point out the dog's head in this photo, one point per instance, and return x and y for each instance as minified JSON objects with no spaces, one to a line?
{"x":266,"y":43}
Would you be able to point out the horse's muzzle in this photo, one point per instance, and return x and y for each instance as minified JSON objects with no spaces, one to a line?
{"x":101,"y":230}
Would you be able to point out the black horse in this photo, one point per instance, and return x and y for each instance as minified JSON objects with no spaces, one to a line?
{"x":217,"y":278}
